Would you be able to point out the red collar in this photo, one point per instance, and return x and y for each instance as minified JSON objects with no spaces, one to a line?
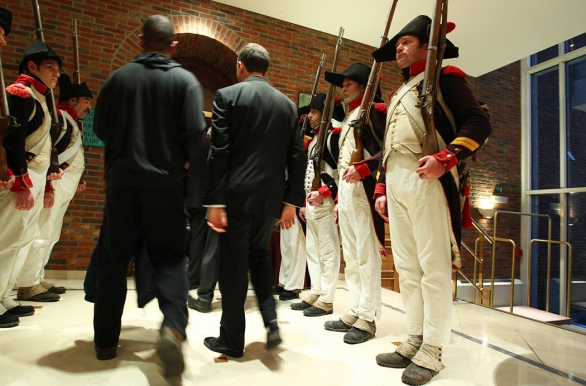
{"x":29,"y":81}
{"x":355,"y":103}
{"x":70,"y":111}
{"x":414,"y":70}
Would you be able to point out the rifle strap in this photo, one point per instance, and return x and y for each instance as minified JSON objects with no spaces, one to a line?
{"x":446,"y":110}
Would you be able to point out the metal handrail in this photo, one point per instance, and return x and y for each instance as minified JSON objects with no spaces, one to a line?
{"x":548,"y":285}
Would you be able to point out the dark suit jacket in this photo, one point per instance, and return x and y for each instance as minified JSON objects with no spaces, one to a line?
{"x":254,"y":141}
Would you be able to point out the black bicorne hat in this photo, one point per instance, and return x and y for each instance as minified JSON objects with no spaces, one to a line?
{"x":37,"y":50}
{"x":417,"y":27}
{"x":318,"y":103}
{"x":68,"y":90}
{"x":5,"y":20}
{"x":357,"y":71}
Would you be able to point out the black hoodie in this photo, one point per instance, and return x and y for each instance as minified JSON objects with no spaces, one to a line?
{"x":148,"y":113}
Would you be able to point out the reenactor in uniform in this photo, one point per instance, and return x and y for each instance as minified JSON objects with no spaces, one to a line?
{"x":74,"y":104}
{"x":362,"y":229}
{"x":28,"y":147}
{"x":423,"y":196}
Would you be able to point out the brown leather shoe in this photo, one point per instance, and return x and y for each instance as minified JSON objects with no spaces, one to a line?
{"x":170,"y":353}
{"x":392,"y":359}
{"x":104,"y":354}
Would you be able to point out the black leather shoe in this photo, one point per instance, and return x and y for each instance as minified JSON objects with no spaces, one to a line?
{"x":337,"y":325}
{"x":22,"y":311}
{"x":8,"y":320}
{"x":198,"y":305}
{"x":278,"y":289}
{"x":57,"y":290}
{"x":288,"y":295}
{"x":300,"y":306}
{"x":215,"y":345}
{"x":104,"y":354}
{"x":316,"y":311}
{"x":44,"y":297}
{"x":355,"y":335}
{"x":273,"y":335}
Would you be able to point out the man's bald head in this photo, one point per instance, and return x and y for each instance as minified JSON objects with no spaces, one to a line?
{"x":158,"y":34}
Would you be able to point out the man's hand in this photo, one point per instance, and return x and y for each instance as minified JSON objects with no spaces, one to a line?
{"x":55,"y":176}
{"x":302,"y":214}
{"x":430,"y":168}
{"x":81,"y":187}
{"x":314,"y":198}
{"x":287,"y":219}
{"x":217,"y":219}
{"x":380,"y":205}
{"x":49,"y":199}
{"x":7,"y":184}
{"x":24,"y":200}
{"x":351,"y":175}
{"x":336,"y":214}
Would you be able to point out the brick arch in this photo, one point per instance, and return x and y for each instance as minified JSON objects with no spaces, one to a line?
{"x":184,"y":24}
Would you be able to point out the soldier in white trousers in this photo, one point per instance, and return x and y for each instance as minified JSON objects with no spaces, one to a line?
{"x":28,"y":148}
{"x":323,"y":240}
{"x":362,"y":229}
{"x":74,"y":105}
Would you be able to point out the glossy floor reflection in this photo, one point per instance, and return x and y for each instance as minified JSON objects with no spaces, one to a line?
{"x":487,"y":347}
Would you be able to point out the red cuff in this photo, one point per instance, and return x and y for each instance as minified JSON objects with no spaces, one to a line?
{"x":325,"y":191}
{"x":380,"y":190}
{"x":336,"y":198}
{"x":49,"y":187}
{"x":10,"y":172}
{"x":22,"y":183}
{"x":447,"y":158}
{"x":362,"y":169}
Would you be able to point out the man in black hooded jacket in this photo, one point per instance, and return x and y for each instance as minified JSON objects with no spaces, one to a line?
{"x":148,"y":113}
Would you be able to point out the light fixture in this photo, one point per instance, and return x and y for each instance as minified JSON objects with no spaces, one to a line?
{"x":486,"y":208}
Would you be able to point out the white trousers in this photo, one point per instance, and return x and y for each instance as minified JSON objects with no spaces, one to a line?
{"x":293,"y":257}
{"x":419,"y":225}
{"x":323,"y":250}
{"x":361,"y":250}
{"x":48,"y":229}
{"x":16,"y":236}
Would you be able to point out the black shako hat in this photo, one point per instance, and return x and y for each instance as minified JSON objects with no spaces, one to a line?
{"x":37,"y":50}
{"x":417,"y":27}
{"x":318,"y":103}
{"x":5,"y":20}
{"x":68,"y":90}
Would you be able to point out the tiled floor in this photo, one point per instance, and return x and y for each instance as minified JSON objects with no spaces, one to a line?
{"x":488,"y":347}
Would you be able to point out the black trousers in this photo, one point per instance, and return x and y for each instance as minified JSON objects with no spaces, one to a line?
{"x":204,"y":256}
{"x":158,"y":213}
{"x":245,"y":247}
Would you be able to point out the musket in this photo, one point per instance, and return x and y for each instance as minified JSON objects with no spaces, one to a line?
{"x":435,"y":55}
{"x":76,"y":76}
{"x":5,"y":122}
{"x":325,"y":120}
{"x":314,"y":90}
{"x":362,"y":121}
{"x":76,"y":72}
{"x":56,"y":127}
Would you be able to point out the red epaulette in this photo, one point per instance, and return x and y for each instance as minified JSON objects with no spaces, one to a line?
{"x":18,"y":90}
{"x":454,"y":71}
{"x":381,"y":107}
{"x":336,"y":130}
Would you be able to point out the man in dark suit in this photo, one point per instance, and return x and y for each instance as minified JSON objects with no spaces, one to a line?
{"x":256,"y":170}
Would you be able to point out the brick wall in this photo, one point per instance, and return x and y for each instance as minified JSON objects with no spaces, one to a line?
{"x":209,"y":35}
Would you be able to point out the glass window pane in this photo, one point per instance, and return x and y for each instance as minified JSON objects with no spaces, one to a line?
{"x":575,"y":43}
{"x":545,"y":132}
{"x":545,"y":55}
{"x":576,"y":122}
{"x":550,"y":205}
{"x":577,"y":238}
